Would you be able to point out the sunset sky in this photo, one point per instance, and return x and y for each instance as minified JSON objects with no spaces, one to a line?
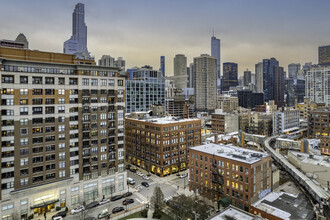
{"x":141,"y":31}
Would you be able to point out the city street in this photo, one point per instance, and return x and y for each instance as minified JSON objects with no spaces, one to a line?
{"x":141,"y":195}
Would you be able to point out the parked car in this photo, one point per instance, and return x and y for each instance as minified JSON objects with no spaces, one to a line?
{"x":139,"y":174}
{"x":77,"y":209}
{"x":127,"y":194}
{"x":117,"y":209}
{"x":104,"y":201}
{"x":92,"y":205}
{"x":59,"y":214}
{"x":103,"y":215}
{"x":114,"y":198}
{"x":130,"y":181}
{"x":128,"y":201}
{"x":183,"y":175}
{"x":132,"y":170}
{"x":145,"y":177}
{"x":145,"y":184}
{"x":57,"y":218}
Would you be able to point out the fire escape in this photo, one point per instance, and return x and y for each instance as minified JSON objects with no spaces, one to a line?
{"x":218,"y":182}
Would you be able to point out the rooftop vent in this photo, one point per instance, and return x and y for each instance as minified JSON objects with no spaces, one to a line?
{"x":220,"y":151}
{"x":256,"y":155}
{"x":239,"y":156}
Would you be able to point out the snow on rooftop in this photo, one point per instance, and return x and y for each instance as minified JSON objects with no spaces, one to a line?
{"x":166,"y":120}
{"x":231,"y":152}
{"x":232,"y":212}
{"x":315,"y":159}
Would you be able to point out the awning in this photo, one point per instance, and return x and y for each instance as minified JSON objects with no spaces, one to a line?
{"x":225,"y":201}
{"x":43,"y":204}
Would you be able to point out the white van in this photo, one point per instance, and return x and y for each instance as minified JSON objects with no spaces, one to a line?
{"x":130,"y":181}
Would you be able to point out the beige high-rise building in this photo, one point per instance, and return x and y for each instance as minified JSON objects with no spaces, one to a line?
{"x":205,"y":68}
{"x":180,"y":71}
{"x":259,"y":77}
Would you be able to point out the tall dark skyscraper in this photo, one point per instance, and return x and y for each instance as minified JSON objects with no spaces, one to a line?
{"x":77,"y":44}
{"x":268,"y":77}
{"x":279,"y":86}
{"x":215,"y":52}
{"x":230,"y":76}
{"x":162,"y":65}
{"x":324,"y":55}
{"x":247,"y":78}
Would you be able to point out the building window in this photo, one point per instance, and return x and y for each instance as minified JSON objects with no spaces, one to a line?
{"x":120,"y":83}
{"x":62,"y":173}
{"x":85,"y":82}
{"x":23,"y":91}
{"x":94,"y":82}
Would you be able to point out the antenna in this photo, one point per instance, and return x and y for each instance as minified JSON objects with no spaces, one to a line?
{"x":212,"y":32}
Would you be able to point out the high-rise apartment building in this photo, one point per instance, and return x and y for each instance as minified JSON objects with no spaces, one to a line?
{"x":107,"y":60}
{"x":162,"y":65}
{"x":247,"y":78}
{"x":215,"y":52}
{"x":61,"y":131}
{"x":160,"y":145}
{"x":77,"y":44}
{"x":192,"y":76}
{"x":318,"y":127}
{"x":268,"y":77}
{"x":318,"y":84}
{"x":225,"y":172}
{"x":279,"y":86}
{"x":180,"y":71}
{"x":324,"y":55}
{"x":293,"y":69}
{"x":147,"y":87}
{"x":205,"y":82}
{"x":230,"y":76}
{"x":259,"y":77}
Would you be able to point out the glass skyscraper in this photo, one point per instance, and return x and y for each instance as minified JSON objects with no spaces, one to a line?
{"x":268,"y":77}
{"x":215,"y":52}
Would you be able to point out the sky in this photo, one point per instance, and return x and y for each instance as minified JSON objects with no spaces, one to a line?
{"x":141,"y":31}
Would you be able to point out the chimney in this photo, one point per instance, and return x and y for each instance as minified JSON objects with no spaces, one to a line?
{"x":216,"y":141}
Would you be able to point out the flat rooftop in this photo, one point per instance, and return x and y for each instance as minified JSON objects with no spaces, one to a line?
{"x":231,"y":152}
{"x":286,"y":206}
{"x":234,"y":213}
{"x":317,"y":160}
{"x":166,"y":120}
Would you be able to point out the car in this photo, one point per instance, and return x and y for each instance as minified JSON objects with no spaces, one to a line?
{"x":115,"y":198}
{"x":104,"y":201}
{"x":128,"y":201}
{"x":103,"y":215}
{"x":117,"y":209}
{"x":183,"y":175}
{"x":139,"y":174}
{"x":92,"y":205}
{"x":127,"y":194}
{"x":77,"y":209}
{"x":130,"y":181}
{"x":145,"y":177}
{"x":145,"y":184}
{"x":59,"y":214}
{"x":57,"y":218}
{"x":132,"y":170}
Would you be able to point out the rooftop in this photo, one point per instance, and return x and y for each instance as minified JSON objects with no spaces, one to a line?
{"x":285,"y":206}
{"x":312,"y":159}
{"x":235,"y":214}
{"x":231,"y":152}
{"x":166,"y":120}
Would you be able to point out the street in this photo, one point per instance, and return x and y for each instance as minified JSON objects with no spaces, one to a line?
{"x":141,"y":195}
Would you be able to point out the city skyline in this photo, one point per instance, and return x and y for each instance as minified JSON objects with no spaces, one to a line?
{"x":249,"y":31}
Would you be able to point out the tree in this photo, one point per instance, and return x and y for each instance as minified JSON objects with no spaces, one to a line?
{"x":157,"y":200}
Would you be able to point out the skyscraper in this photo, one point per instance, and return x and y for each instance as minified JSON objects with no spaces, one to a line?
{"x":247,"y":78}
{"x":293,"y":69}
{"x":230,"y":76}
{"x":180,"y":71}
{"x":324,"y":55}
{"x":259,"y":77}
{"x":77,"y":44}
{"x":268,"y":77}
{"x":162,"y":65}
{"x":279,"y":86}
{"x":215,"y":52}
{"x":205,"y":84}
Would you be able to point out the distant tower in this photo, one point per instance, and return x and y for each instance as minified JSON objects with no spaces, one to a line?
{"x":230,"y":76}
{"x":22,"y":39}
{"x":162,"y":65}
{"x":268,"y":77}
{"x":180,"y":71}
{"x":259,"y":77}
{"x":293,"y":69}
{"x":77,"y":44}
{"x":247,"y":78}
{"x":215,"y":52}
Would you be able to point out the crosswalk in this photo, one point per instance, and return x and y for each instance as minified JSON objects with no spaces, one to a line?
{"x":141,"y":198}
{"x":138,"y":187}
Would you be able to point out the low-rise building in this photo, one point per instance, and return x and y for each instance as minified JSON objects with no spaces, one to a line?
{"x":307,"y":106}
{"x":261,"y":123}
{"x":268,"y":107}
{"x":224,"y":122}
{"x":160,"y":145}
{"x":285,"y":121}
{"x":227,"y":103}
{"x":315,"y":166}
{"x":232,"y":212}
{"x":277,"y":206}
{"x":179,"y":106}
{"x":225,"y":172}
